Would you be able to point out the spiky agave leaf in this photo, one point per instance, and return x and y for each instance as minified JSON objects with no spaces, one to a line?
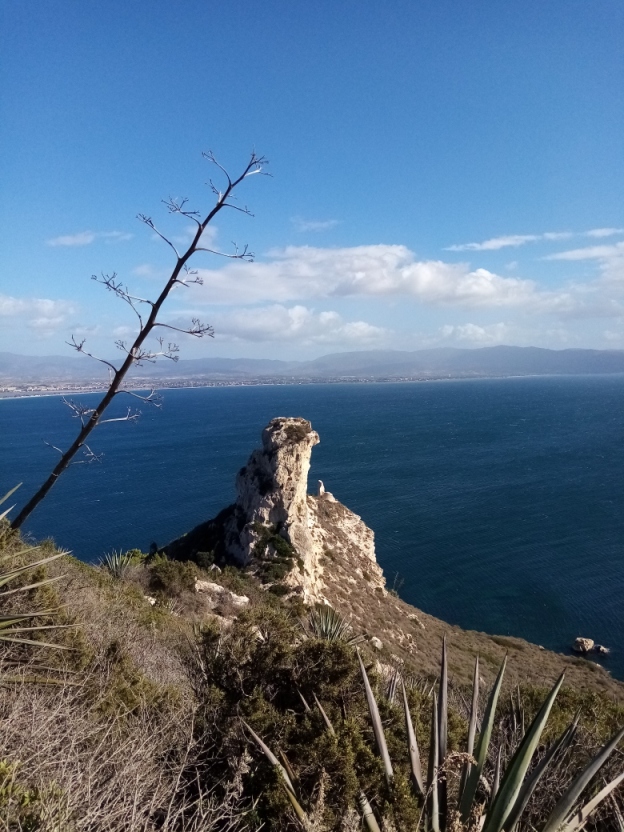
{"x":481,"y":750}
{"x":580,"y":818}
{"x":412,"y":746}
{"x":5,"y":498}
{"x":370,"y":821}
{"x":287,"y":766}
{"x":308,"y":709}
{"x":116,"y":563}
{"x":443,"y":732}
{"x":472,"y":728}
{"x":434,"y":762}
{"x":10,"y":574}
{"x":566,"y":802}
{"x":557,"y":749}
{"x":11,"y":629}
{"x":324,"y":622}
{"x":618,"y":815}
{"x":392,"y":685}
{"x":511,"y":784}
{"x":290,"y":789}
{"x":377,"y":726}
{"x":497,"y":775}
{"x":326,"y":719}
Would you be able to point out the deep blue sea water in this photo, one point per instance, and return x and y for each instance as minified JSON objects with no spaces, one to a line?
{"x":499,"y":503}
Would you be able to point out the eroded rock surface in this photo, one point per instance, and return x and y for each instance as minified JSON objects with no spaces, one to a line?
{"x":277,"y":528}
{"x":583,"y":645}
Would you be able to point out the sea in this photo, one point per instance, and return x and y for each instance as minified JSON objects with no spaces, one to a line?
{"x":497,"y":505}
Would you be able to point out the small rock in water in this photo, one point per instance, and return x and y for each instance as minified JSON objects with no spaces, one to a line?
{"x":583,"y":645}
{"x":600,"y":648}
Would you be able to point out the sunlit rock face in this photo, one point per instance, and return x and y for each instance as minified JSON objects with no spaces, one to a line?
{"x":280,"y":531}
{"x":272,"y":495}
{"x":272,"y":491}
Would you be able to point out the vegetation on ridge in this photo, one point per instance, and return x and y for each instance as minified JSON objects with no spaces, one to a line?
{"x":144,"y":726}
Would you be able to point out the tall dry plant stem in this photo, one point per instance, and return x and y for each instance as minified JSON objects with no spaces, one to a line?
{"x":137,"y":353}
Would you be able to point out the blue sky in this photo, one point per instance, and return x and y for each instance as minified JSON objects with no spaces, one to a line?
{"x":443,"y":173}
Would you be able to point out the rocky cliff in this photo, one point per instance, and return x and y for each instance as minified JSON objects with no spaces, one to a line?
{"x":280,"y":531}
{"x":313,"y":547}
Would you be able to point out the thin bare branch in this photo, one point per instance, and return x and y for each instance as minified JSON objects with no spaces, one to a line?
{"x":131,"y":416}
{"x":245,"y":254}
{"x":89,"y":456}
{"x":149,"y":222}
{"x":192,"y":276}
{"x":153,"y":397}
{"x":90,"y":418}
{"x":243,"y":210}
{"x":175,"y":206}
{"x":211,"y":158}
{"x":79,"y":347}
{"x":197,"y":328}
{"x":54,"y":448}
{"x":119,"y":290}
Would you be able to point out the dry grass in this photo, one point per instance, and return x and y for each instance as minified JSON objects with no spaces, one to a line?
{"x":107,"y":740}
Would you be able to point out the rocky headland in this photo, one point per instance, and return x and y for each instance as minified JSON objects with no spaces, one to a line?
{"x":314,"y":547}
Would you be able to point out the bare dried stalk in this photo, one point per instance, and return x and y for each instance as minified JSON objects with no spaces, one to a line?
{"x":138,"y":352}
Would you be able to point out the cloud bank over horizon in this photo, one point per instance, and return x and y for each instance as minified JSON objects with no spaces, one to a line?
{"x":367,"y":296}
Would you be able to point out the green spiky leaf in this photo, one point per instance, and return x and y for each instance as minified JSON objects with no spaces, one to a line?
{"x":569,"y":798}
{"x":412,"y":746}
{"x":377,"y":726}
{"x":483,"y":743}
{"x":518,"y":766}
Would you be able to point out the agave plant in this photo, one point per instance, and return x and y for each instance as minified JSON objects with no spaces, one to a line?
{"x":512,"y":788}
{"x":116,"y":563}
{"x":513,"y":783}
{"x":17,"y":628}
{"x":324,"y":622}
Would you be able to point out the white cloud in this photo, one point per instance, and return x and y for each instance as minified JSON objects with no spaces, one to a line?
{"x":303,"y":225}
{"x":124,"y":331}
{"x":278,"y":323}
{"x":115,"y":236}
{"x":43,"y":316}
{"x":85,"y":238}
{"x":473,"y":333}
{"x":604,"y":232}
{"x":81,"y":331}
{"x":144,"y":270}
{"x":511,"y":240}
{"x":589,"y":253}
{"x":304,"y":272}
{"x":515,"y":240}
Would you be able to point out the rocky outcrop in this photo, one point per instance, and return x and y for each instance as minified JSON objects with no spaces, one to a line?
{"x":279,"y":530}
{"x":588,"y":645}
{"x":272,"y":494}
{"x":583,"y":645}
{"x":219,"y":596}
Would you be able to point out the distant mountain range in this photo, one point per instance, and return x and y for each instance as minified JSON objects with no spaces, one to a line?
{"x":373,"y":364}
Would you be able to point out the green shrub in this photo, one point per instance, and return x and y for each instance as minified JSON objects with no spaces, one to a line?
{"x":172,"y":577}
